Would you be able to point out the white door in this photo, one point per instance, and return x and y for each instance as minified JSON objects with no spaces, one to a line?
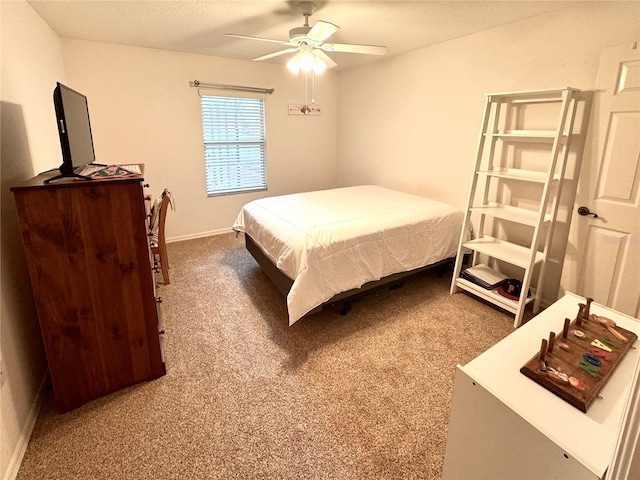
{"x":606,"y":265}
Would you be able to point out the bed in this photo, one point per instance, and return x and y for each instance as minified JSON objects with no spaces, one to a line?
{"x":323,"y":246}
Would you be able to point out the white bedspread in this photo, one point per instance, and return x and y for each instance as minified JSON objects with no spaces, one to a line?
{"x":332,"y":241}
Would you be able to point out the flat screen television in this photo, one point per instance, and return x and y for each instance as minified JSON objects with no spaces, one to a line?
{"x":74,"y":128}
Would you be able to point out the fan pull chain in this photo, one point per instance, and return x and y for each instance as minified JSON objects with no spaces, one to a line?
{"x":305,"y":108}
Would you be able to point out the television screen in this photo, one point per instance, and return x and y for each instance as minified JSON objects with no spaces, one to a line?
{"x":74,"y":127}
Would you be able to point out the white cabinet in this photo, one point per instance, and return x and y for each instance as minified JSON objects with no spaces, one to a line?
{"x":505,"y":426}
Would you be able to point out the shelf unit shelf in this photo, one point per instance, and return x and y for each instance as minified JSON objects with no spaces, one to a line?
{"x":492,"y":295}
{"x":531,"y":136}
{"x":518,"y":174}
{"x":519,"y":215}
{"x":547,"y":95}
{"x":502,"y":124}
{"x":502,"y":250}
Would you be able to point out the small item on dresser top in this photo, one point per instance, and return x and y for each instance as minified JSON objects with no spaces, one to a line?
{"x":598,"y":344}
{"x":113,"y":171}
{"x":577,"y":383}
{"x":592,"y":359}
{"x":553,"y":373}
{"x":558,"y":376}
{"x":133,"y":168}
{"x":607,"y":322}
{"x":600,"y":354}
{"x":611,"y":326}
{"x":617,"y":334}
{"x":590,"y":369}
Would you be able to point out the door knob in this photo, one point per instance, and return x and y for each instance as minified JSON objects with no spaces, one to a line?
{"x":584,"y":211}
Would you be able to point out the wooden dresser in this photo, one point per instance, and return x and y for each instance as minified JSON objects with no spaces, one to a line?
{"x":87,"y":248}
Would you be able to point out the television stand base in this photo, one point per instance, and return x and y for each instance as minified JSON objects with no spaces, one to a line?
{"x":73,"y":175}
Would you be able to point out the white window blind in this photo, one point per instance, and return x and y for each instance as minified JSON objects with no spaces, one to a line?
{"x":233,"y":129}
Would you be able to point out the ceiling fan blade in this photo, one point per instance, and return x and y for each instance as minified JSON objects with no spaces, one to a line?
{"x":247,"y":37}
{"x":325,"y":58}
{"x":353,"y":48}
{"x":276,"y":54}
{"x":321,"y":31}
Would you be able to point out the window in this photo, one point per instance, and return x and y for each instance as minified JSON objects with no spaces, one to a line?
{"x":233,"y":130}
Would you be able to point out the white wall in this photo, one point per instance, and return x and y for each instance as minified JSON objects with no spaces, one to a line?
{"x":413,"y":120}
{"x":143,"y":110}
{"x":31,"y":64}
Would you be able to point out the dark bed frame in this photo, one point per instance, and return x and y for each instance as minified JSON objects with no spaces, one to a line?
{"x":284,"y":283}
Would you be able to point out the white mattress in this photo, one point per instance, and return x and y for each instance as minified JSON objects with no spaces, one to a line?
{"x":332,"y":241}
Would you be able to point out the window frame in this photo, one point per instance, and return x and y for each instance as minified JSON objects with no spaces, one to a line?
{"x":235,"y":127}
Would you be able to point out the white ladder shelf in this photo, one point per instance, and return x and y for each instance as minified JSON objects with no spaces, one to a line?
{"x":498,"y":172}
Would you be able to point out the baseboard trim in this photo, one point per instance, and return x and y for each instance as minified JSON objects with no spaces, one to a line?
{"x":27,"y":430}
{"x":210,"y":233}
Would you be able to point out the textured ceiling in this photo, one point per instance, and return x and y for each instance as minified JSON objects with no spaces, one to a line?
{"x":198,"y":26}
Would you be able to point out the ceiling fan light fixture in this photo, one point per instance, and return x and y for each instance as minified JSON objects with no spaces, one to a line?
{"x":294,"y":64}
{"x":306,"y":61}
{"x":318,"y":65}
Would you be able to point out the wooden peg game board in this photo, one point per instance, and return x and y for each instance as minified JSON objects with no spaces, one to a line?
{"x":553,"y":366}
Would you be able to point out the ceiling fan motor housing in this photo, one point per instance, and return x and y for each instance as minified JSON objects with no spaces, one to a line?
{"x":299,"y":34}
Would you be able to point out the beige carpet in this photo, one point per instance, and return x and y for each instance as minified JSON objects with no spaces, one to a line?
{"x":361,"y":396}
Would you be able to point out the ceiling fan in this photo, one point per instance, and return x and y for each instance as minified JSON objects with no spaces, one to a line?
{"x":310,"y":46}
